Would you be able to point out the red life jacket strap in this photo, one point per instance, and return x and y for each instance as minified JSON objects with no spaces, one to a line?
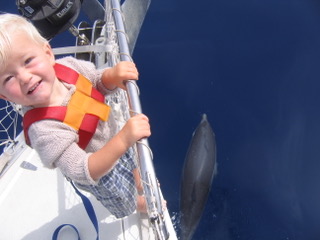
{"x":37,"y":114}
{"x":86,"y":130}
{"x":88,"y":116}
{"x":70,"y":76}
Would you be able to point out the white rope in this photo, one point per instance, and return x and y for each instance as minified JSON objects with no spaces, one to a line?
{"x":9,"y":123}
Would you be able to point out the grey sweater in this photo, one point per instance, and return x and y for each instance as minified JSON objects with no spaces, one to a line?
{"x":56,"y":142}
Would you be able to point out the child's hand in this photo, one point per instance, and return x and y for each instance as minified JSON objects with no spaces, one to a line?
{"x":135,"y":129}
{"x":115,"y":76}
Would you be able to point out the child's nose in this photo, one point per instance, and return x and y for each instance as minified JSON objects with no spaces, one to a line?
{"x":24,"y":76}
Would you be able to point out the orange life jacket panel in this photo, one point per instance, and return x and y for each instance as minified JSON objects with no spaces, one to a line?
{"x":83,"y":112}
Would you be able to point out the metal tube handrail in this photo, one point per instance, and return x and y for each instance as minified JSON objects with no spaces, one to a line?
{"x":145,"y":160}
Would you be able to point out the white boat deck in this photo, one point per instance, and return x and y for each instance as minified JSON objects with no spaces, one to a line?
{"x":35,"y":201}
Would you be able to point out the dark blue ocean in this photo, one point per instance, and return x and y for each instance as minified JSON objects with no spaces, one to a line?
{"x":253,"y":67}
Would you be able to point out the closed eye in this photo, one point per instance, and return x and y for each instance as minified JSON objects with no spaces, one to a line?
{"x":7,"y":79}
{"x":28,"y":60}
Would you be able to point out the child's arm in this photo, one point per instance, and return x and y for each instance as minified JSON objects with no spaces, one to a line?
{"x":137,"y":127}
{"x":115,"y":76}
{"x":103,"y":160}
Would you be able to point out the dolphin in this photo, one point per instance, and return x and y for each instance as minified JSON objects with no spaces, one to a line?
{"x":197,"y":175}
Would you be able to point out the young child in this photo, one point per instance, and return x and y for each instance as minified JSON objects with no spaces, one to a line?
{"x":28,"y":77}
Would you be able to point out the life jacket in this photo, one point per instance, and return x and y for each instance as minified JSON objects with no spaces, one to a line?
{"x":83,"y":112}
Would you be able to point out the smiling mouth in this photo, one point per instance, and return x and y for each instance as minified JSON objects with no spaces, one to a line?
{"x":34,"y":88}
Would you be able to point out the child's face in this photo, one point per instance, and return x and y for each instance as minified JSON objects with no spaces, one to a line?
{"x":29,"y":77}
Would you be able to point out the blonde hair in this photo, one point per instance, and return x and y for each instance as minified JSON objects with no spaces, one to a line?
{"x":11,"y":24}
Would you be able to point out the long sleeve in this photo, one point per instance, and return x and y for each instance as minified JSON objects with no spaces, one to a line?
{"x":56,"y":144}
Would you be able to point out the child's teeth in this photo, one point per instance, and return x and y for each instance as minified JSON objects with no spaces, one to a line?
{"x":31,"y":90}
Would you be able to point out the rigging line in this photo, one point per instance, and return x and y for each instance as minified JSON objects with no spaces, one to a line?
{"x":145,"y":145}
{"x":118,"y":10}
{"x":6,"y":142}
{"x":123,"y":19}
{"x":125,"y":54}
{"x":146,"y":183}
{"x":150,"y":185}
{"x":123,"y":32}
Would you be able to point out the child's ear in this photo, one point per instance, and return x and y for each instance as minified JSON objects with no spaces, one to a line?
{"x":49,"y":52}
